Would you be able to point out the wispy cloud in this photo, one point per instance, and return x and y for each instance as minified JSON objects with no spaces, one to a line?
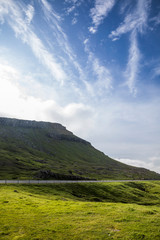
{"x":29,"y":14}
{"x":156,"y":19}
{"x":102,"y":75}
{"x":18,"y":22}
{"x":48,"y":10}
{"x":54,"y":23}
{"x":132,"y":70}
{"x":99,"y":12}
{"x":126,"y":4}
{"x":71,"y":9}
{"x":157,"y":71}
{"x":152,"y":164}
{"x":74,"y":4}
{"x":104,"y":78}
{"x":135,"y":22}
{"x":74,"y":21}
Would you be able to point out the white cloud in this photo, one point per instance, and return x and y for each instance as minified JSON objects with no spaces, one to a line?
{"x":126,"y":129}
{"x":152,"y":164}
{"x":92,"y":30}
{"x":129,"y":24}
{"x":132,"y":70}
{"x":99,"y":12}
{"x":78,"y":115}
{"x":157,"y":71}
{"x":101,"y":73}
{"x":16,"y":20}
{"x":12,"y":100}
{"x":74,"y":21}
{"x":104,"y":78}
{"x":47,"y":6}
{"x":125,"y":4}
{"x":17,"y":100}
{"x":49,"y":11}
{"x":74,"y":4}
{"x":135,"y":20}
{"x":29,"y":14}
{"x":45,"y":57}
{"x":8,"y":88}
{"x":62,"y":40}
{"x":71,"y":9}
{"x":156,"y":19}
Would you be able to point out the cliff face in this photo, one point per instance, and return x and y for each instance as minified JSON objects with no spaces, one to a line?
{"x":29,"y":124}
{"x":53,"y":130}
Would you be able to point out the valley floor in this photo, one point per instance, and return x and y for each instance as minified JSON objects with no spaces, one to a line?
{"x":125,"y":211}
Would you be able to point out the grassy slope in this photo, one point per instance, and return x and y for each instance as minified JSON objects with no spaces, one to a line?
{"x":80,"y":211}
{"x":25,"y":151}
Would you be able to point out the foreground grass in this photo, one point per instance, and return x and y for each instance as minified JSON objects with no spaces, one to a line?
{"x":80,"y":211}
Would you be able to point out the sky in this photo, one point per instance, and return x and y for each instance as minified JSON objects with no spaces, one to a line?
{"x":91,"y":65}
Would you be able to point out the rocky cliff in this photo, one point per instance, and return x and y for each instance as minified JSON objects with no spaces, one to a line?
{"x":29,"y":124}
{"x":53,"y":130}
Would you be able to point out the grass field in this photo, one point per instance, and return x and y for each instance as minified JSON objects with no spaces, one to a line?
{"x":125,"y":211}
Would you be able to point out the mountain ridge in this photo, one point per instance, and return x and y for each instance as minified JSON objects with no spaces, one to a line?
{"x":44,"y":150}
{"x":56,"y":130}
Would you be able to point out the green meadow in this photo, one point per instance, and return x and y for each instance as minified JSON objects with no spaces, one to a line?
{"x":126,"y":211}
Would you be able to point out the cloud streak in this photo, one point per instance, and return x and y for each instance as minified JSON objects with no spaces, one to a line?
{"x":52,"y":20}
{"x":29,"y":14}
{"x":156,"y":19}
{"x":19,"y":24}
{"x":132,"y":70}
{"x":101,"y":73}
{"x":134,"y":23}
{"x":73,"y":5}
{"x":99,"y":12}
{"x":157,"y":71}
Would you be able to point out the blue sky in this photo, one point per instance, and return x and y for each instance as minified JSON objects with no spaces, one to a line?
{"x":91,"y":65}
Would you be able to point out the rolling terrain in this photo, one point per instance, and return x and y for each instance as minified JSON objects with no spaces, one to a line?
{"x":82,"y":211}
{"x":43,"y":150}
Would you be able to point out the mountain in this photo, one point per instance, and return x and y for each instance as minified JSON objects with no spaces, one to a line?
{"x":43,"y":150}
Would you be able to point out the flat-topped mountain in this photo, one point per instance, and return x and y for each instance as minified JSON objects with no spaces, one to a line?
{"x":54,"y":130}
{"x":29,"y":124}
{"x":44,"y":150}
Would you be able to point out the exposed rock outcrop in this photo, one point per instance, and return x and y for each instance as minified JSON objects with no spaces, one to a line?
{"x":53,"y":130}
{"x":29,"y":124}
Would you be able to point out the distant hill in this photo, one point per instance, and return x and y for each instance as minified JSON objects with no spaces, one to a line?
{"x":43,"y":150}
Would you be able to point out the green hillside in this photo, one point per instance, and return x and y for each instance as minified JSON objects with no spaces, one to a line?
{"x":42,"y":150}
